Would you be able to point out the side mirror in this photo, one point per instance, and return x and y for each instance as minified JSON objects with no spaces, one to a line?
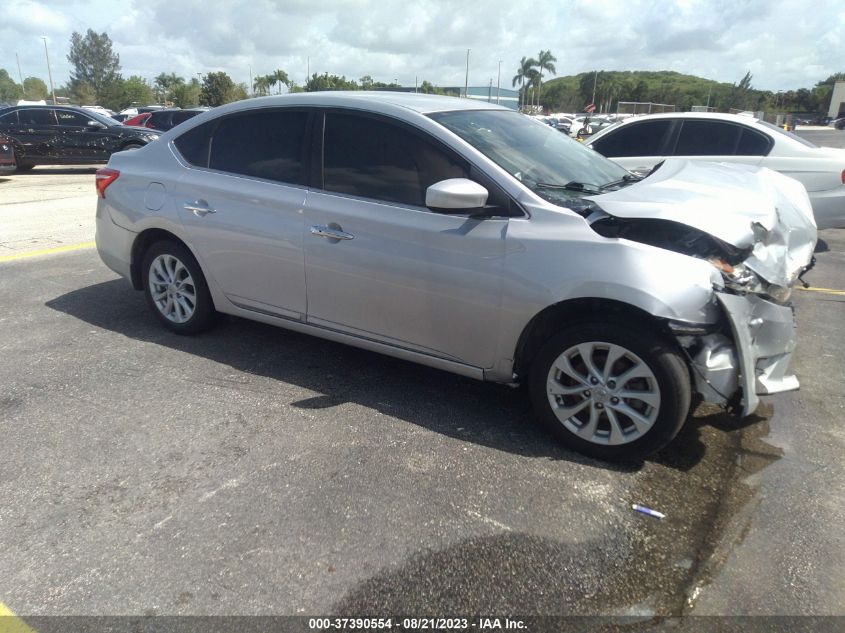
{"x":455,"y":195}
{"x":94,"y":125}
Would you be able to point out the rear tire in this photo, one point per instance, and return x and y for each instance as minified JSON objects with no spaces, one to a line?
{"x":21,"y":168}
{"x":625,"y":411}
{"x":175,"y":288}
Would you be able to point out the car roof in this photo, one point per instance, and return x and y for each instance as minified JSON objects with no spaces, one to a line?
{"x":365,"y":100}
{"x":719,"y":116}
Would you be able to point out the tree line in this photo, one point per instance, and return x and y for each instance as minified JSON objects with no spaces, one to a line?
{"x":95,"y":78}
{"x":573,"y":93}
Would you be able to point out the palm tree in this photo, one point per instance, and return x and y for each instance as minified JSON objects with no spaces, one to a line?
{"x":281,"y":77}
{"x":261,"y":84}
{"x":534,"y":82}
{"x":526,"y":65}
{"x":545,"y":61}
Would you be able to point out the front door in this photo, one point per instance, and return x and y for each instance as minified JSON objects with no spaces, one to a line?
{"x":78,"y":140}
{"x":382,"y":266}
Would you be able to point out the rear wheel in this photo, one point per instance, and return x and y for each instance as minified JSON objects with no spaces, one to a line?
{"x":175,"y":288}
{"x":610,"y":390}
{"x":19,"y":167}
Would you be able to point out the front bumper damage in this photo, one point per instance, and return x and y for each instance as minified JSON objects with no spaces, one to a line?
{"x":756,"y":362}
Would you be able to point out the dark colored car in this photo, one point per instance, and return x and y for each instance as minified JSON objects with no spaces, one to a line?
{"x":839,"y":123}
{"x":48,"y":135}
{"x":164,"y":120}
{"x":7,"y":155}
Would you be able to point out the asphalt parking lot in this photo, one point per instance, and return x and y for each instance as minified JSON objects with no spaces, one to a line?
{"x":252,"y":470}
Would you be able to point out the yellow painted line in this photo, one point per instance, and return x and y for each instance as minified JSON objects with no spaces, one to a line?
{"x":10,"y":623}
{"x":46,"y":251}
{"x":827,"y":291}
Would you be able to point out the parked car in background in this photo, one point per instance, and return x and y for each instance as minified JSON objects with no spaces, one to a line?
{"x":640,"y":143}
{"x":48,"y":135}
{"x":163,"y":120}
{"x":7,"y":154}
{"x":839,"y":123}
{"x":471,"y":238}
{"x":138,"y":120}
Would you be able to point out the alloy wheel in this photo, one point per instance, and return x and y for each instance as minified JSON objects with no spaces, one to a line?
{"x":603,"y":393}
{"x":172,"y":288}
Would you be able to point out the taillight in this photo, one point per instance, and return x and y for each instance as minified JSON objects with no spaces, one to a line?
{"x":105,"y":177}
{"x":843,"y":177}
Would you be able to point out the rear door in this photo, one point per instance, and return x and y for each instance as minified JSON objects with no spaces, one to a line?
{"x":38,"y":134}
{"x":241,"y":202}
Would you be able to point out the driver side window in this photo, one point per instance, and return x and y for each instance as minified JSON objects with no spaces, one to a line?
{"x":372,"y":158}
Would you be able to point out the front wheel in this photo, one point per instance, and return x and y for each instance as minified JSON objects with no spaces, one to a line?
{"x":610,"y":390}
{"x":130,"y":146}
{"x":175,"y":288}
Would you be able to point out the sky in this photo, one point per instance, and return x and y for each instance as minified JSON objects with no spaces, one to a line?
{"x":785,"y":44}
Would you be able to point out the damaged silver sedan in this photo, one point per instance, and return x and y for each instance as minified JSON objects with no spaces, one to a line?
{"x":470,"y":238}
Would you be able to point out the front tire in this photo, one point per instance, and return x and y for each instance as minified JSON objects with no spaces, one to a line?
{"x":131,"y":146}
{"x":610,"y":391}
{"x":175,"y":288}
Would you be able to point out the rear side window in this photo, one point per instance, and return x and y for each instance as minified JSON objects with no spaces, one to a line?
{"x":753,"y":143}
{"x":645,"y":138}
{"x":707,"y":138}
{"x":372,"y":158}
{"x":266,"y":144}
{"x":195,"y":143}
{"x":45,"y":116}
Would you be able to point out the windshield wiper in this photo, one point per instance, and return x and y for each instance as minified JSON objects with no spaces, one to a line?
{"x":573,"y":185}
{"x":626,"y":179}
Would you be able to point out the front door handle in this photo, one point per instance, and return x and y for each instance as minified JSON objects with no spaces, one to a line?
{"x":331,"y":233}
{"x":199,"y":208}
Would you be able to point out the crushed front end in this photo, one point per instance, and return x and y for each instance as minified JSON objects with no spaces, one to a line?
{"x":761,"y":241}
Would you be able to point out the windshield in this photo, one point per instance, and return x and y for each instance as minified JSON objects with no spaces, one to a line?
{"x":105,"y":120}
{"x":549,"y":163}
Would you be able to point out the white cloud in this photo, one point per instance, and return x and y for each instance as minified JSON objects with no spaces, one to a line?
{"x":784,"y":47}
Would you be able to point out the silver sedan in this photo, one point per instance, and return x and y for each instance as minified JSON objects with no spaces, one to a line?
{"x":471,"y":238}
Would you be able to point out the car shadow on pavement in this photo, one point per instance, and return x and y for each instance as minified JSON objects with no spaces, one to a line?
{"x":483,"y":413}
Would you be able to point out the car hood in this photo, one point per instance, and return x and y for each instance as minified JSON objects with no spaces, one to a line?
{"x":742,"y":205}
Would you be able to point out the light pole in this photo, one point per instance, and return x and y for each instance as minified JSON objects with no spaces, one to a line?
{"x":466,"y":79}
{"x":49,"y":72}
{"x":499,"y":82}
{"x":20,"y":75}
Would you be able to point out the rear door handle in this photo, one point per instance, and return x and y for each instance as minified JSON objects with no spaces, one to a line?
{"x":330,"y":233}
{"x":199,"y":208}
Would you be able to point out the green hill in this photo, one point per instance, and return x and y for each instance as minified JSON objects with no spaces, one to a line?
{"x":572,"y":93}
